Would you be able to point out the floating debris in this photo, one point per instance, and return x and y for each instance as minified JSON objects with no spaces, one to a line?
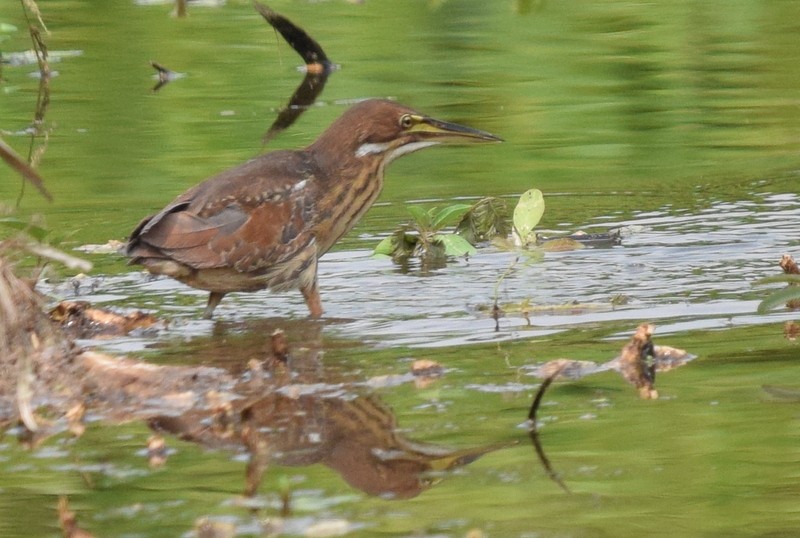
{"x":426,"y":372}
{"x":81,"y":320}
{"x":790,"y":267}
{"x":113,"y":246}
{"x":635,"y":365}
{"x":638,"y":363}
{"x":164,"y":75}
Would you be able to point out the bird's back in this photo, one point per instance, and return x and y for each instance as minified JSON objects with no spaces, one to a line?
{"x":245,"y":218}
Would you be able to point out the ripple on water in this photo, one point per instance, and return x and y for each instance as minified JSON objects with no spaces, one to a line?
{"x":678,"y":269}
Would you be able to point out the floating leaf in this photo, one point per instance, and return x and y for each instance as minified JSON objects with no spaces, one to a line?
{"x":385,"y":247}
{"x":448,"y":214}
{"x":527,"y":214}
{"x":487,"y":219}
{"x":400,"y":245}
{"x":455,"y":245}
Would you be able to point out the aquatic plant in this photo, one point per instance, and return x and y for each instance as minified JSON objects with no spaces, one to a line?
{"x":425,"y":238}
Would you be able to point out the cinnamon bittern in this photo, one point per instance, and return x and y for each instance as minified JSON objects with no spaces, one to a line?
{"x":265,"y":223}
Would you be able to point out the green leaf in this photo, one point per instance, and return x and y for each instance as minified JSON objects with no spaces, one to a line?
{"x":421,"y":217}
{"x":487,"y":219}
{"x":7,"y":28}
{"x":385,"y":247}
{"x":779,"y":298}
{"x":528,"y":213}
{"x":400,"y":245}
{"x":449,"y":215}
{"x":454,"y":244}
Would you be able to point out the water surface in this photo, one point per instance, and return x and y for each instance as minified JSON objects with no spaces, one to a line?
{"x":677,"y":123}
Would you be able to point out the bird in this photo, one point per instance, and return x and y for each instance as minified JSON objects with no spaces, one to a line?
{"x":265,"y":223}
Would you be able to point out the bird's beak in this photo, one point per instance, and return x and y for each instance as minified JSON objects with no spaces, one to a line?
{"x":444,"y":131}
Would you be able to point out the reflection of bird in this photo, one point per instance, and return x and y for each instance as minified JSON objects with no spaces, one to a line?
{"x":265,"y":223}
{"x":356,"y":436}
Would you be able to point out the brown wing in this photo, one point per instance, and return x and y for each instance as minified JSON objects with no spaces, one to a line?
{"x":248,"y":218}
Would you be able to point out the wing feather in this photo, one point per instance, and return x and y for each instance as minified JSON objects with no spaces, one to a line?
{"x":249,"y":218}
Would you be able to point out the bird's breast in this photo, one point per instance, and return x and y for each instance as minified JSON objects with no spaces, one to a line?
{"x":345,"y":199}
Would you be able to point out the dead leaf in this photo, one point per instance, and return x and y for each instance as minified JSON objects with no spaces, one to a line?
{"x":426,"y":368}
{"x":668,"y":358}
{"x":634,"y":365}
{"x":638,"y":363}
{"x":789,"y":266}
{"x":82,"y":320}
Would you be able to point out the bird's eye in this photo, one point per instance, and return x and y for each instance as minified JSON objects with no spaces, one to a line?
{"x":406,"y":121}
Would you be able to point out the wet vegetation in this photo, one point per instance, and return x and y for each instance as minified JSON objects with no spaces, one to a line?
{"x":477,"y":396}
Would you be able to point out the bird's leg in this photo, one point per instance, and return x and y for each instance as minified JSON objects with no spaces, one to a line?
{"x":311,"y":295}
{"x":213,"y":300}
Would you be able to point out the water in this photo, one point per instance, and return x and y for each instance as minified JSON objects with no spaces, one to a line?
{"x":676,"y":123}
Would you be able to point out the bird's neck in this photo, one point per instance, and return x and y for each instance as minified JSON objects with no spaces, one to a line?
{"x":349,"y":184}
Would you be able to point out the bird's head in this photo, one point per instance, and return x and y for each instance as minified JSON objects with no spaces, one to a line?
{"x":387,"y":130}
